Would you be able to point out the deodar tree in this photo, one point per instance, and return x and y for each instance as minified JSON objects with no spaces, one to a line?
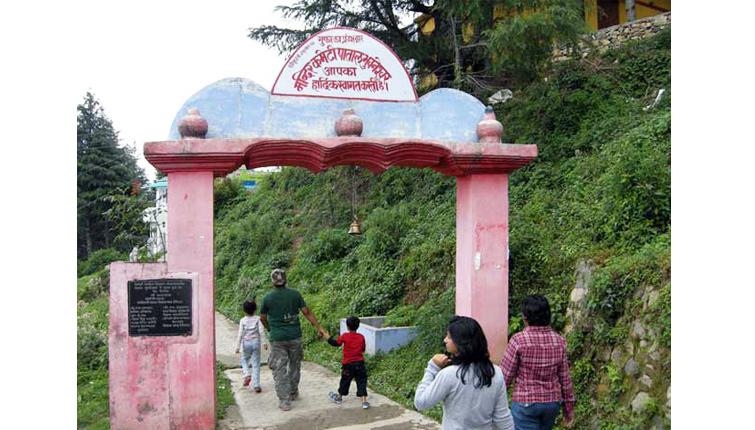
{"x":476,"y":46}
{"x":104,"y":170}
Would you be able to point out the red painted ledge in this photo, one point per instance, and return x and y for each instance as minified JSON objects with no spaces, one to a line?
{"x":222,"y":156}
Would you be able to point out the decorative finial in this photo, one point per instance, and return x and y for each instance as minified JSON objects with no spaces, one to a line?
{"x":349,"y":124}
{"x":489,"y":130}
{"x":192,"y":126}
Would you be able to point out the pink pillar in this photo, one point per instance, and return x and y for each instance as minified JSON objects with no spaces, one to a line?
{"x":139,"y":398}
{"x":168,"y":382}
{"x":482,"y":224}
{"x":191,"y":366}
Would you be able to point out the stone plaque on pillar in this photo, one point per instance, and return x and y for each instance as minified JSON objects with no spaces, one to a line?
{"x":159,"y":307}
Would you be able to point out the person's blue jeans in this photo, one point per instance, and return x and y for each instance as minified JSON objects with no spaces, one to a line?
{"x":251,"y":349}
{"x":535,"y":416}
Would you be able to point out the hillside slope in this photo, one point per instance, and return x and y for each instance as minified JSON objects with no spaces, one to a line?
{"x":589,"y":228}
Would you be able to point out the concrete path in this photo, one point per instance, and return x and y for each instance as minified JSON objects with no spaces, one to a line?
{"x":226,"y":332}
{"x":312,"y":410}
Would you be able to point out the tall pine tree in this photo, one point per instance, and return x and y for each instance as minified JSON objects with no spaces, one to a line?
{"x":104,"y":169}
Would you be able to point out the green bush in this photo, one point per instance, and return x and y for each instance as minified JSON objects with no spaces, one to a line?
{"x":385,"y":229}
{"x":522,"y":42}
{"x":636,"y":186}
{"x":330,"y":244}
{"x":227,"y":192}
{"x":620,"y":277}
{"x":90,"y":287}
{"x":91,"y":347}
{"x":644,"y":65}
{"x":662,"y":319}
{"x":401,"y":316}
{"x":432,"y":320}
{"x":98,"y":260}
{"x":91,"y":334}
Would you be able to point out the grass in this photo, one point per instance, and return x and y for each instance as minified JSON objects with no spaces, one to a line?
{"x":223,"y":391}
{"x":92,"y":400}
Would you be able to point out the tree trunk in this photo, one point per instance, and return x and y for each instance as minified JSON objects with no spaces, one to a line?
{"x":630,"y":10}
{"x":88,"y":236}
{"x":457,"y":55}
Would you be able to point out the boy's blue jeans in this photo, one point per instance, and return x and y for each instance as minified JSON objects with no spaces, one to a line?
{"x":251,"y":349}
{"x":535,"y":416}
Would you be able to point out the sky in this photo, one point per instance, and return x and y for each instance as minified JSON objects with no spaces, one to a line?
{"x":147,"y":58}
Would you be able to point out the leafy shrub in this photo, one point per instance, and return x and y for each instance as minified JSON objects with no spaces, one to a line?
{"x":330,"y":244}
{"x":615,"y":379}
{"x":662,"y":309}
{"x":644,"y":65}
{"x":279,"y":260}
{"x":98,"y":260}
{"x":94,"y":286}
{"x":377,"y":298}
{"x":636,"y":187}
{"x":516,"y":324}
{"x":583,"y":378}
{"x":612,"y":284}
{"x":91,"y":334}
{"x":384,"y":230}
{"x":227,"y":191}
{"x":433,"y":318}
{"x":401,"y":316}
{"x":522,"y":42}
{"x":91,"y":347}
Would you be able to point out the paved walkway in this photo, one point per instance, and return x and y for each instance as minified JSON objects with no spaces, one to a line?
{"x":311,"y":410}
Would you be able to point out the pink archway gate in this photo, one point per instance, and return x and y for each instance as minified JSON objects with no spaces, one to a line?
{"x":185,"y":366}
{"x":167,"y":381}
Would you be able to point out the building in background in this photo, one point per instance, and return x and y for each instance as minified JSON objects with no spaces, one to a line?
{"x":250,"y":179}
{"x":607,"y":13}
{"x":598,"y":14}
{"x":157,"y":218}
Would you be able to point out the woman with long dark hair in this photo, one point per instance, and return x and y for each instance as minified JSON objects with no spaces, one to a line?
{"x":472,"y":390}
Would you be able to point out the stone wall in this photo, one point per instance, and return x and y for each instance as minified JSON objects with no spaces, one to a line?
{"x":613,"y":37}
{"x":640,"y":361}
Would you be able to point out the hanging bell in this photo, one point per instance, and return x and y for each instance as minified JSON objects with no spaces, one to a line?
{"x":354,"y":229}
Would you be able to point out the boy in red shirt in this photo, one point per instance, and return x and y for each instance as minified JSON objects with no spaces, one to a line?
{"x":353,"y":363}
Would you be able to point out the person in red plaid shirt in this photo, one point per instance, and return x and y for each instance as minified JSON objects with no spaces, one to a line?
{"x":535,"y":361}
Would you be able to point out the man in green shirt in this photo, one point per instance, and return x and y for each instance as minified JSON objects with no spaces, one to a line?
{"x":280,"y":316}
